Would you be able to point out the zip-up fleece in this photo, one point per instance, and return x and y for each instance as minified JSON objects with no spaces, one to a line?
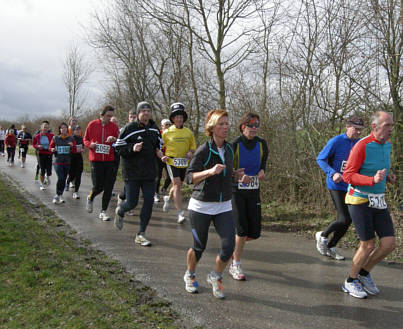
{"x":140,"y":165}
{"x":97,"y":132}
{"x":37,"y":141}
{"x":217,"y":188}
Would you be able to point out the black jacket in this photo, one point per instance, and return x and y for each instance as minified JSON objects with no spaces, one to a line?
{"x":139,"y":165}
{"x":216,"y":188}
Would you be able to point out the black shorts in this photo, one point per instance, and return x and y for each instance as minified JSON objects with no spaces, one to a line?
{"x":176,"y":172}
{"x":24,"y":150}
{"x":247,"y":213}
{"x":368,"y":220}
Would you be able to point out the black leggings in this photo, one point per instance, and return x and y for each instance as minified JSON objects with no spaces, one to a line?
{"x":224,"y":226}
{"x":76,"y":169}
{"x":10,"y":154}
{"x":161,"y":166}
{"x":103,"y":176}
{"x":343,"y":221}
{"x":45,"y":163}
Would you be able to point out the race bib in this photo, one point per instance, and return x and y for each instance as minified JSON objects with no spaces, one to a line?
{"x":180,"y":162}
{"x":377,"y":201}
{"x":65,"y":149}
{"x":79,"y":147}
{"x":253,"y":185}
{"x":102,"y":148}
{"x":343,"y":165}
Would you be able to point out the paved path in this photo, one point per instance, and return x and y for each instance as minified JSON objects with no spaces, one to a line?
{"x":289,"y":284}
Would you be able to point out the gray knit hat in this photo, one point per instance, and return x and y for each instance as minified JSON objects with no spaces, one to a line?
{"x":143,"y":106}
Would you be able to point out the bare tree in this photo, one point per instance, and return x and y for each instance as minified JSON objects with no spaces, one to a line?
{"x":76,"y":73}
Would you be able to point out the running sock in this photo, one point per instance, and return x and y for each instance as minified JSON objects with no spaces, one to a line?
{"x":364,"y":272}
{"x":350,"y":279}
{"x":191,"y":274}
{"x":217,"y":275}
{"x":236,"y":263}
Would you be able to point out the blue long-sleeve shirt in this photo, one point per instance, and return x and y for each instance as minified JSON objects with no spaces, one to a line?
{"x":333,"y":158}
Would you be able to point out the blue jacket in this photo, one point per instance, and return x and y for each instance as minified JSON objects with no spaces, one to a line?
{"x":333,"y":158}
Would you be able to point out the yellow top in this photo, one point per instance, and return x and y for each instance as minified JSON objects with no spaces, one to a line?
{"x":177,"y":143}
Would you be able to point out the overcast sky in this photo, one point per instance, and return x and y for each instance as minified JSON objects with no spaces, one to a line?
{"x":35,"y":35}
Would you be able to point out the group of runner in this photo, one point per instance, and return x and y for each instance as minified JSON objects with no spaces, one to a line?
{"x":226,"y":181}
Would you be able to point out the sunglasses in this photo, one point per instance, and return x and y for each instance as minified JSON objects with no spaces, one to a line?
{"x":252,"y":125}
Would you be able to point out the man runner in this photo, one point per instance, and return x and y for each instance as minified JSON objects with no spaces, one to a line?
{"x":367,"y":171}
{"x":332,"y":160}
{"x":99,"y":137}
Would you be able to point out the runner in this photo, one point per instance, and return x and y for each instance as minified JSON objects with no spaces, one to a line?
{"x":10,"y":142}
{"x":139,"y":147}
{"x":122,"y":194}
{"x":180,"y":144}
{"x":62,"y":145}
{"x":76,"y":166}
{"x":211,"y":173}
{"x":332,"y":160}
{"x":99,"y":137}
{"x":23,"y":138}
{"x":73,"y":122}
{"x":251,"y":154}
{"x":2,"y":138}
{"x":165,"y":124}
{"x":41,"y":143}
{"x":366,"y":172}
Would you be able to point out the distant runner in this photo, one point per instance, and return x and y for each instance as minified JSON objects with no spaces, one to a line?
{"x":77,"y":164}
{"x":24,"y":138}
{"x":62,"y":145}
{"x":41,"y":143}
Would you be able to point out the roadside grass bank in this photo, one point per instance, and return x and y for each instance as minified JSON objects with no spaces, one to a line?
{"x":50,"y":278}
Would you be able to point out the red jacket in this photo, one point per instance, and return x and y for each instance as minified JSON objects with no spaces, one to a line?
{"x":11,"y":140}
{"x":98,"y":133}
{"x":37,"y":141}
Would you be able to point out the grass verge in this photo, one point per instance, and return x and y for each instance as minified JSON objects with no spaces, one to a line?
{"x":51,"y":279}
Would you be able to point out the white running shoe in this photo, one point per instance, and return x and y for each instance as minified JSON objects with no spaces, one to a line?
{"x":56,"y":199}
{"x":104,"y":216}
{"x":71,"y":185}
{"x":89,"y":205}
{"x":354,"y":289}
{"x":118,"y":220}
{"x":368,"y":285}
{"x":61,"y":200}
{"x":216,"y":284}
{"x":332,"y":253}
{"x":321,"y":243}
{"x":191,"y":284}
{"x":236,"y":272}
{"x":181,"y":217}
{"x":156,"y":198}
{"x":42,"y":187}
{"x":131,"y":212}
{"x":22,"y":165}
{"x":75,"y":195}
{"x":165,"y":207}
{"x":47,"y":180}
{"x":141,"y":240}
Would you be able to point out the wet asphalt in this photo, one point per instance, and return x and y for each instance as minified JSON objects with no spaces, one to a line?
{"x":289,"y":285}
